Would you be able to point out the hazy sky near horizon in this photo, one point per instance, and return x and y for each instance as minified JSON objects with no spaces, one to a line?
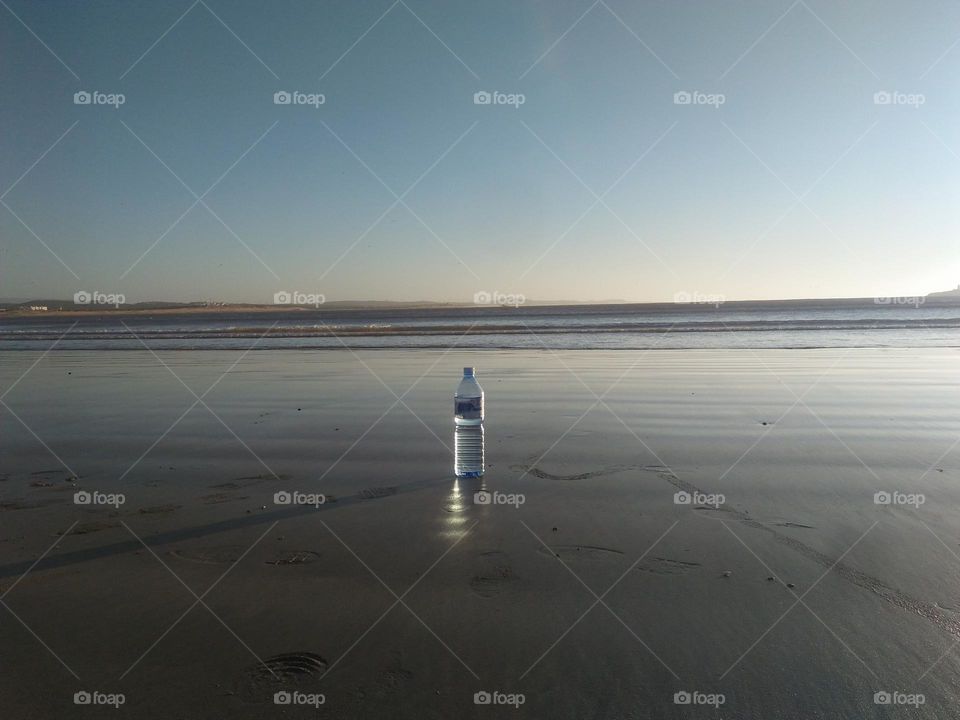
{"x":802,"y":183}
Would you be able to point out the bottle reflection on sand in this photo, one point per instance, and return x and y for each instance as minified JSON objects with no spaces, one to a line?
{"x":458,"y":507}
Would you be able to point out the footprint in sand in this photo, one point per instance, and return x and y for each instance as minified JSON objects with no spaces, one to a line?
{"x":952,"y":607}
{"x":210,"y":554}
{"x":57,"y":475}
{"x":394,"y":677}
{"x":377,"y":492}
{"x":294,"y":557}
{"x":290,"y":670}
{"x":580,"y":552}
{"x":247,"y":481}
{"x":667,"y":566}
{"x":159,"y":509}
{"x":31,"y":504}
{"x":496,"y":575}
{"x":387,"y":682}
{"x":227,"y":491}
{"x":544,"y":475}
{"x":712,"y":511}
{"x":222,"y":497}
{"x":91,"y":527}
{"x":226,"y":486}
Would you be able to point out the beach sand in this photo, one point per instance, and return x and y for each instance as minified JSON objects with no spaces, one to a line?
{"x":797,"y":596}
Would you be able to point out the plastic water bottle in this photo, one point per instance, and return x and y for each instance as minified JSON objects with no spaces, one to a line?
{"x":468,"y":427}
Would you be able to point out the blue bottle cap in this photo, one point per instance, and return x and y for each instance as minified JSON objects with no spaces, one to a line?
{"x":468,"y":372}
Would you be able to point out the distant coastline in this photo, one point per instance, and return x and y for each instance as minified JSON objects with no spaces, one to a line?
{"x":61,"y":308}
{"x":37,"y":309}
{"x":955,"y":293}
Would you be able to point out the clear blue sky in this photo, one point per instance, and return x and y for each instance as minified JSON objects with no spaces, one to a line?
{"x":798,"y":185}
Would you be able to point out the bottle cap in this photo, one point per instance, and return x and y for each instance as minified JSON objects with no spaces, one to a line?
{"x":468,"y":372}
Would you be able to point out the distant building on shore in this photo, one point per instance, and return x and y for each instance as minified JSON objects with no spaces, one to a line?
{"x":946,"y":293}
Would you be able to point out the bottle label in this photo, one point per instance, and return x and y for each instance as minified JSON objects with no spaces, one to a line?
{"x":468,"y":408}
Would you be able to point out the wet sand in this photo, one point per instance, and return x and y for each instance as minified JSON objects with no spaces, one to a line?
{"x":796,"y":597}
